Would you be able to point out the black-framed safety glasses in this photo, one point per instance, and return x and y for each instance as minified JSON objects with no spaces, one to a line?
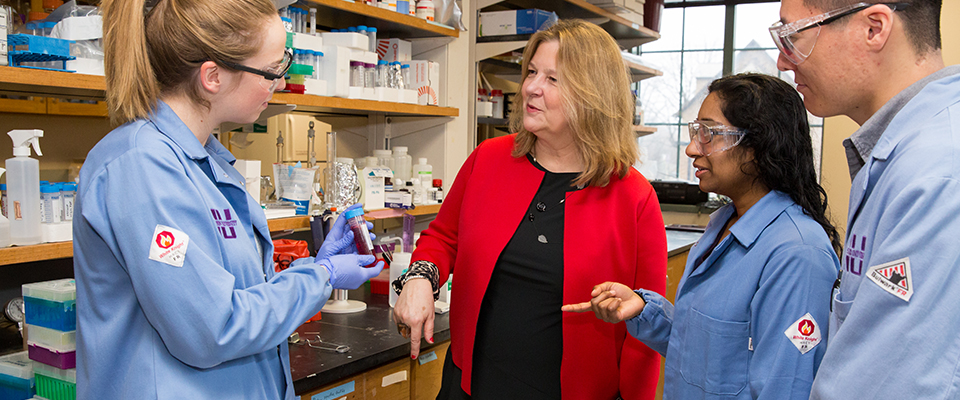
{"x":272,"y":75}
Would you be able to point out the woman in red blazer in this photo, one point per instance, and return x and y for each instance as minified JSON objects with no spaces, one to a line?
{"x":533,"y":221}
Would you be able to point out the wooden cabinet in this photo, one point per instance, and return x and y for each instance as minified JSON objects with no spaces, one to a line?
{"x":427,"y":372}
{"x":399,"y":380}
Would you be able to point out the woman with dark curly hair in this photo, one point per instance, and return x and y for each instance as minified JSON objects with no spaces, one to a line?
{"x":747,"y":320}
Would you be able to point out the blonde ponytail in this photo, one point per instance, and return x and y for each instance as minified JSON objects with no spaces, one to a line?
{"x":157,"y":54}
{"x":132,"y":87}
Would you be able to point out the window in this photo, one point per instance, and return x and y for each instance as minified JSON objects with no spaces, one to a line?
{"x":691,"y":53}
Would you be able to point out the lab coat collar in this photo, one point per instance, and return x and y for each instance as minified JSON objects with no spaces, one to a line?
{"x":746,"y":231}
{"x":170,"y":124}
{"x":749,"y":227}
{"x":935,"y":88}
{"x":215,"y":147}
{"x":860,"y":146}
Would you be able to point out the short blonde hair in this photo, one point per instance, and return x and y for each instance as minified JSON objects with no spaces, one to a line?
{"x":146,"y":56}
{"x":595,"y":96}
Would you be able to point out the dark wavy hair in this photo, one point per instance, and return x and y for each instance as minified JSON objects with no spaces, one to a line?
{"x":772,"y":112}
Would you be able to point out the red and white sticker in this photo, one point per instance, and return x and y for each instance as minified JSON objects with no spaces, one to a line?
{"x":894,"y":277}
{"x":805,"y":333}
{"x":169,"y":246}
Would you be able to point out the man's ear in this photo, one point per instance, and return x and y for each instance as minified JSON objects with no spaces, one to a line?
{"x":878,"y":20}
{"x":210,"y":77}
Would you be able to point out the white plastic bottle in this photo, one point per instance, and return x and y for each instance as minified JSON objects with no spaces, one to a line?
{"x":385,"y":158}
{"x":402,"y":163}
{"x":426,"y":10}
{"x":4,"y":224}
{"x":23,"y":187}
{"x":424,"y":172}
{"x":401,"y":261}
{"x":373,"y":185}
{"x":496,"y":97}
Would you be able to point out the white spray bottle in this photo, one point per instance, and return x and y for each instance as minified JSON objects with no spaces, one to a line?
{"x":23,"y":187}
{"x":4,"y":226}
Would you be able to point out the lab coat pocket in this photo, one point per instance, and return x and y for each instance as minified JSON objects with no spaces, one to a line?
{"x":715,"y":355}
{"x":840,"y":310}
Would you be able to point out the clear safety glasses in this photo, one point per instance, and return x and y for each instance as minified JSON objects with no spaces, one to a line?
{"x":272,"y":76}
{"x":796,"y":46}
{"x":712,"y":137}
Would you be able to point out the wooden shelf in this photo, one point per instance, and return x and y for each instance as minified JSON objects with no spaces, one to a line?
{"x":338,"y":105}
{"x":37,"y":252}
{"x":644,"y":130}
{"x":640,"y":72}
{"x":53,"y":251}
{"x":511,"y":71}
{"x":35,"y":82}
{"x":289,"y":223}
{"x":303,"y":222}
{"x":493,"y":121}
{"x":627,"y":33}
{"x":388,"y":23}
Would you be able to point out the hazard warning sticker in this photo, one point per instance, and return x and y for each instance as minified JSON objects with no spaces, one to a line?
{"x":169,"y":246}
{"x":805,"y":333}
{"x":894,"y":277}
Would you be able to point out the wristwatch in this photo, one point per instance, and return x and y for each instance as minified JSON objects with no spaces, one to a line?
{"x":13,"y":312}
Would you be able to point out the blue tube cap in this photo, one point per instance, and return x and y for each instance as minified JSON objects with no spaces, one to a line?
{"x":353,"y":213}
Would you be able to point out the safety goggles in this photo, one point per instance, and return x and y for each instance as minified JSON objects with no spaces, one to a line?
{"x":796,"y":46}
{"x":712,"y":137}
{"x":272,"y":76}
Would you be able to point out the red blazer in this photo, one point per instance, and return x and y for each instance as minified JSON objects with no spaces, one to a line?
{"x":614,"y":233}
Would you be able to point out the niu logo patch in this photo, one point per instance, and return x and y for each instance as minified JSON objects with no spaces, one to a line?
{"x":804,"y":333}
{"x":853,"y":256}
{"x":225,"y":223}
{"x":894,"y":277}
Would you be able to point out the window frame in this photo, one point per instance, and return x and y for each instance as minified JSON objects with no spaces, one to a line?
{"x":729,"y":51}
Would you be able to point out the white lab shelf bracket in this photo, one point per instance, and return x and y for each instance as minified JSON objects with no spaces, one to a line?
{"x":490,"y":49}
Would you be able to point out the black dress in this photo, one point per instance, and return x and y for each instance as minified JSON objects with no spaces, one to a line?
{"x":519,"y":338}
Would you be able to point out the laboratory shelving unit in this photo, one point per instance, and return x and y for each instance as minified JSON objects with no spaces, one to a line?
{"x":428,"y":37}
{"x":627,"y":34}
{"x":51,"y":251}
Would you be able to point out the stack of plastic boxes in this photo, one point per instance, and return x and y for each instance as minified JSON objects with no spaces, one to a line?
{"x":51,"y":318}
{"x":16,"y":377}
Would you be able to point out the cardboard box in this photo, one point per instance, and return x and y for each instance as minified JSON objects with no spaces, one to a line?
{"x":426,"y":81}
{"x":393,"y":50}
{"x":513,"y":22}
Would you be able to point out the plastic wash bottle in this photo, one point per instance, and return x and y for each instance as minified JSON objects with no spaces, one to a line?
{"x":23,"y":187}
{"x":4,"y":226}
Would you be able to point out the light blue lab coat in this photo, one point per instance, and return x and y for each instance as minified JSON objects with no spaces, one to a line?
{"x":904,"y":204}
{"x":213,"y":328}
{"x":725,"y":338}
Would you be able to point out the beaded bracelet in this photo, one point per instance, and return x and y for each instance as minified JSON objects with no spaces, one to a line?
{"x":420,"y":269}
